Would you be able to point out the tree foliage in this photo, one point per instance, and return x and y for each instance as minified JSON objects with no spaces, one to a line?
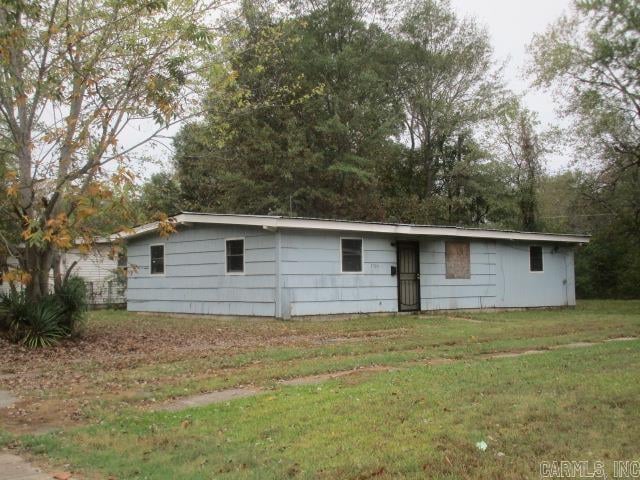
{"x":590,"y":58}
{"x":299,"y":128}
{"x":334,"y":108}
{"x":447,"y":86}
{"x":522,"y":144}
{"x":357,"y":117}
{"x":73,"y":75}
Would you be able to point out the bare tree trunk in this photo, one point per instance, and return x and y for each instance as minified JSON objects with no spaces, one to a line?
{"x":57,"y":272}
{"x":37,"y":263}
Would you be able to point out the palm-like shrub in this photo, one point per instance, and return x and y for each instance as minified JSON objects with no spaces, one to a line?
{"x":72,"y":298}
{"x":41,"y":328}
{"x":44,"y":323}
{"x":33,"y":324}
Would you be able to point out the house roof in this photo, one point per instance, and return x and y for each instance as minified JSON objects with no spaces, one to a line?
{"x":273,"y":223}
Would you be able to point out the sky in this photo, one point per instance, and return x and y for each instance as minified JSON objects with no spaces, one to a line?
{"x":511,"y":25}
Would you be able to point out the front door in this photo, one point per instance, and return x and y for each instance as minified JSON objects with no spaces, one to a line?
{"x":408,"y":276}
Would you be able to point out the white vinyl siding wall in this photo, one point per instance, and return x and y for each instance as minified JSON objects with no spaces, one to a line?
{"x":96,"y":269}
{"x":98,"y":272}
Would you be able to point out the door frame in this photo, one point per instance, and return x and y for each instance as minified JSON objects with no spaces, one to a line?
{"x":416,"y":245}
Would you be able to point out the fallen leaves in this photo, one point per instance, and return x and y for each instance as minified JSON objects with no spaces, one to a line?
{"x":125,"y":357}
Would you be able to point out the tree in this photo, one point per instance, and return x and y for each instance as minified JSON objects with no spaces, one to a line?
{"x":448,"y":86}
{"x":305,"y":121}
{"x":159,"y":195}
{"x":522,"y":144}
{"x":590,"y":58}
{"x":73,"y":75}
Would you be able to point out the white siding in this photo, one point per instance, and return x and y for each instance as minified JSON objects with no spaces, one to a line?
{"x":96,"y":269}
{"x":99,"y":273}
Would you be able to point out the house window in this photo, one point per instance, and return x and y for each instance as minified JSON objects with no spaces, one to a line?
{"x":157,"y":259}
{"x":235,"y":255}
{"x":122,"y":260}
{"x":458,"y":259}
{"x":535,"y":258}
{"x":351,"y":254}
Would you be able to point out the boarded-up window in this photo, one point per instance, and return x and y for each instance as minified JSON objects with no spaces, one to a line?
{"x":458,"y":259}
{"x":535,"y":258}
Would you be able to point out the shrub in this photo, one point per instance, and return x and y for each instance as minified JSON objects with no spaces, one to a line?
{"x":72,"y":298}
{"x":44,"y":323}
{"x":609,"y":266}
{"x":33,"y":324}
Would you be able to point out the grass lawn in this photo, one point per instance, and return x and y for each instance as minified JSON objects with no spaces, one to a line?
{"x":417,"y":421}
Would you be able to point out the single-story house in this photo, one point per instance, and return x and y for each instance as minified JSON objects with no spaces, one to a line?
{"x":282,"y":266}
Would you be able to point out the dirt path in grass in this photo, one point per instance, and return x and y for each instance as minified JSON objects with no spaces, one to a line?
{"x":26,"y":416}
{"x":124,"y":360}
{"x":13,"y":467}
{"x":222,"y":396}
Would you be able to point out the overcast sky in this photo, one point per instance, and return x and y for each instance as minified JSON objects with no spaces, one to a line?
{"x":511,"y":25}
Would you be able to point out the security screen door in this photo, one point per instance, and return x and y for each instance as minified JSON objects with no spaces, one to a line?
{"x":408,"y":276}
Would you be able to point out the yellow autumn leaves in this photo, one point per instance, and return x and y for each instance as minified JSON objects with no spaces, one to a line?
{"x":55,"y":231}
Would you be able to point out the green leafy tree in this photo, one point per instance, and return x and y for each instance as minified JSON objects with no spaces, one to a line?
{"x":523,"y":144}
{"x":448,"y":86}
{"x":305,"y":120}
{"x":590,"y":58}
{"x":160,"y":195}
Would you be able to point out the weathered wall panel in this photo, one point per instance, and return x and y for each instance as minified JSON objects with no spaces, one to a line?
{"x":439,"y":292}
{"x":195,"y":280}
{"x":500,"y":277}
{"x":518,"y":287}
{"x":312,"y":282}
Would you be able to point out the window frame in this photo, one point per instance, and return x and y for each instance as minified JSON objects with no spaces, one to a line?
{"x":164,"y":260}
{"x":226,"y":258}
{"x":541,"y":259}
{"x":342,"y":270}
{"x":123,"y":256}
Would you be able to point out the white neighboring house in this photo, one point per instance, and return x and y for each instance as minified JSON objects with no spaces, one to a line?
{"x":98,"y":270}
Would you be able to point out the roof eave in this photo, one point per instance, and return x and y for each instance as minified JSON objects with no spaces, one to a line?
{"x":273,"y":222}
